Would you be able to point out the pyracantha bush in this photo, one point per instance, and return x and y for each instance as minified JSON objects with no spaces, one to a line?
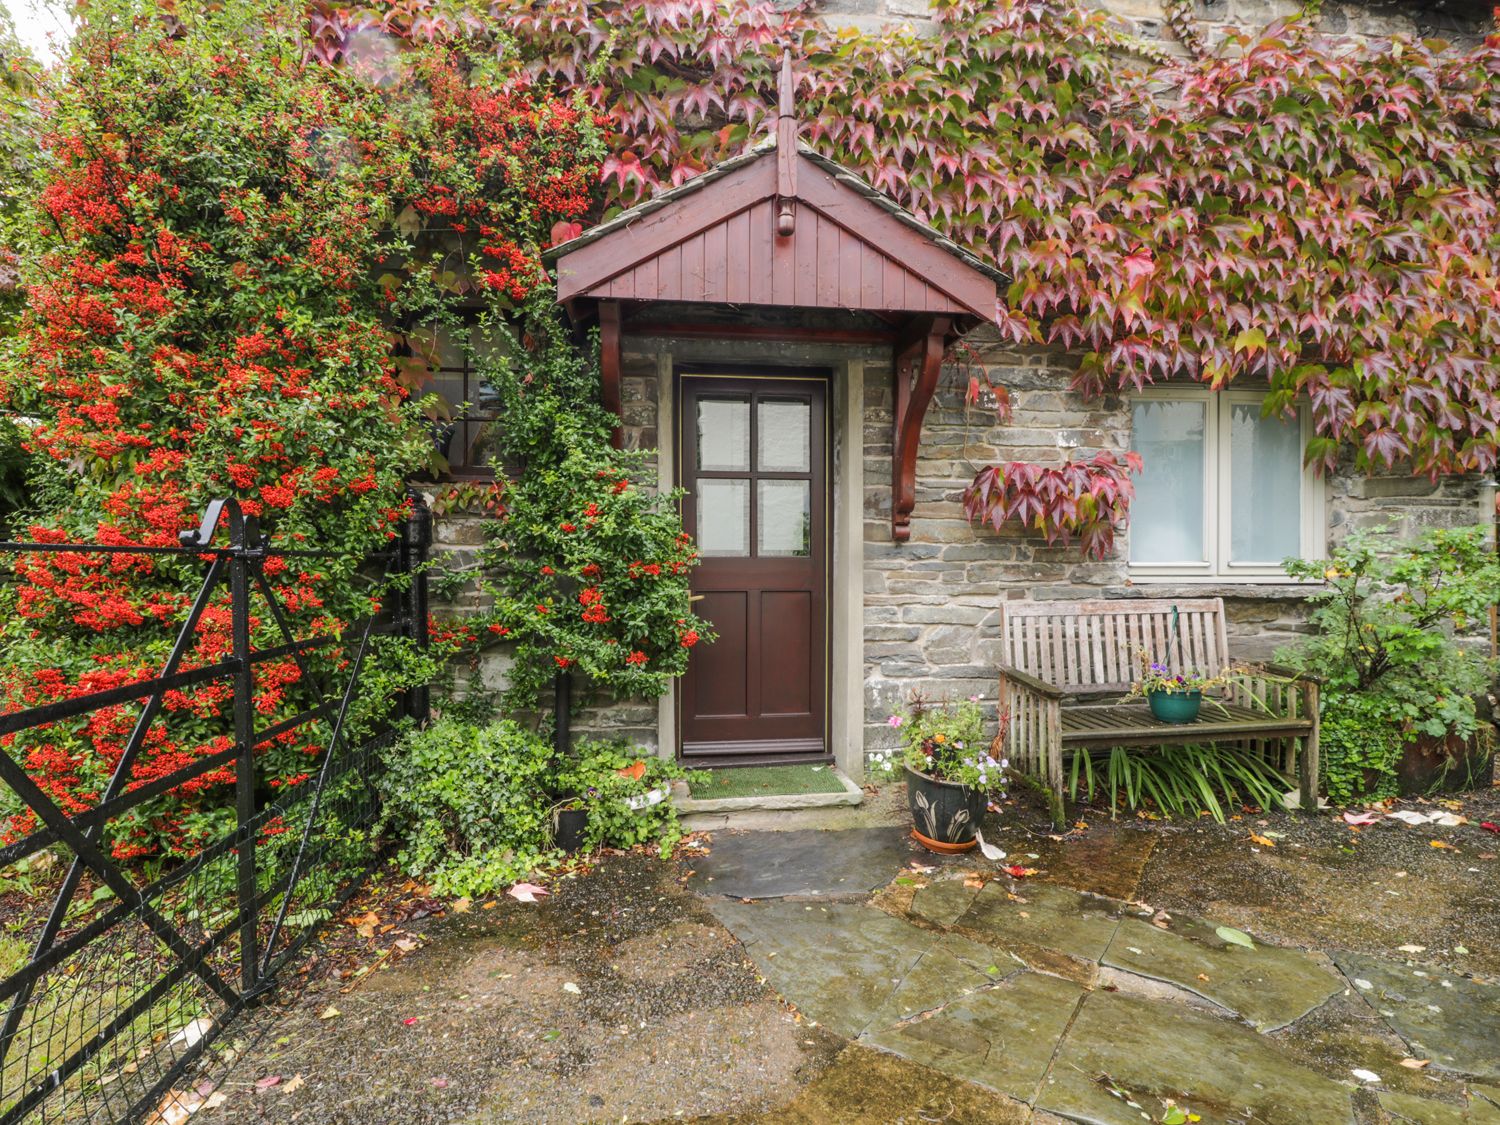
{"x":207,"y":317}
{"x":588,"y":566}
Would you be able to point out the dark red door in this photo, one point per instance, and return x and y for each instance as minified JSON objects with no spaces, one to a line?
{"x":753,"y":459}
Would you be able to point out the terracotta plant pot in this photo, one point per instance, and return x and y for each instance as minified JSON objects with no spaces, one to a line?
{"x":1175,"y":706}
{"x":1445,"y":765}
{"x":945,"y":815}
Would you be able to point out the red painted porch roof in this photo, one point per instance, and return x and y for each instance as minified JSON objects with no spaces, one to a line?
{"x":715,"y":239}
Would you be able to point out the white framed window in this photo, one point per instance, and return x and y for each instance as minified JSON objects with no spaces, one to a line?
{"x":1224,"y":495}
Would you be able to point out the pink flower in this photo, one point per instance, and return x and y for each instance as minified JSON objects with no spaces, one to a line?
{"x":895,"y":720}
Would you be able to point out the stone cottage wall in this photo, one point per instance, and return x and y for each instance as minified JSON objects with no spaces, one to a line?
{"x":930,"y":605}
{"x":1456,"y":22}
{"x":931,"y":616}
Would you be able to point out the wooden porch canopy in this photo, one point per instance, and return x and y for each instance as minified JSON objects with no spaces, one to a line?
{"x":783,"y":227}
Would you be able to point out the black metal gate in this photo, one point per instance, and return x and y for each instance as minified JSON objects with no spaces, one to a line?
{"x":124,"y":990}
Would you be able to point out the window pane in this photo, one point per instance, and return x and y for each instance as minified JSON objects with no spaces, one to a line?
{"x":1166,"y":519}
{"x":723,"y":435}
{"x":782,"y":435}
{"x":724,"y":517}
{"x":785,"y":524}
{"x":1265,"y":486}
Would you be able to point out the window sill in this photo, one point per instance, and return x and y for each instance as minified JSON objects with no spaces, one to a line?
{"x":1261,"y":587}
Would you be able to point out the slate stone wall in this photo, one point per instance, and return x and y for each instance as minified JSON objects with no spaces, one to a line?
{"x":931,"y":617}
{"x":1456,"y":22}
{"x":930,"y":605}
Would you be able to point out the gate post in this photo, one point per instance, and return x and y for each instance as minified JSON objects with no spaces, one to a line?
{"x":414,"y":551}
{"x":244,"y":542}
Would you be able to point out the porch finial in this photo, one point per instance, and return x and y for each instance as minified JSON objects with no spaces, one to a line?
{"x":786,"y":148}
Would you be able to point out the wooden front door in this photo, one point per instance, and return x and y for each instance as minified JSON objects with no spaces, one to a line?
{"x":752,"y":457}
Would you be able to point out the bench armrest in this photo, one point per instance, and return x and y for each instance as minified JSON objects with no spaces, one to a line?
{"x":1031,"y":683}
{"x":1281,"y":671}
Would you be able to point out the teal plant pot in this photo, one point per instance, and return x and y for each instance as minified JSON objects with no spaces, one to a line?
{"x":1175,"y":706}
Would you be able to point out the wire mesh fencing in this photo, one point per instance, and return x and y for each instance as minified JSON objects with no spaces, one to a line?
{"x":119,"y":975}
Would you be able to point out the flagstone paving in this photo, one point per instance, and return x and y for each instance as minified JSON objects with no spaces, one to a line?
{"x":1094,"y":1009}
{"x":919,"y":989}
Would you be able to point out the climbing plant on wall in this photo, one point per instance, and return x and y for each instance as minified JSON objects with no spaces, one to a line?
{"x":1317,"y":213}
{"x":223,"y":244}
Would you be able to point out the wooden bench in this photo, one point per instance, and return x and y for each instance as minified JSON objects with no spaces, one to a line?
{"x":1068,"y":666}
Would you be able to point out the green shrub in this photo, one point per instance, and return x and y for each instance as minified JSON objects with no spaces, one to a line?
{"x":1360,"y":747}
{"x":1388,"y":616}
{"x":470,"y":804}
{"x":606,"y":778}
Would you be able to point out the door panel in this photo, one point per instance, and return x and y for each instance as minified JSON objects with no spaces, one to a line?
{"x":753,"y":456}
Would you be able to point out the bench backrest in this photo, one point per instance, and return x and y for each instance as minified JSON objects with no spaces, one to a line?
{"x":1096,"y":646}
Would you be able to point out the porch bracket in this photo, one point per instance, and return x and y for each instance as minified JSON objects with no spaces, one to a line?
{"x":609,"y":364}
{"x":918,"y":364}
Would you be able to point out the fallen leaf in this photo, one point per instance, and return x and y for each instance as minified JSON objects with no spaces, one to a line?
{"x":215,"y":1100}
{"x":1017,"y":872}
{"x":492,"y":904}
{"x":1365,"y":1075}
{"x":1490,"y":826}
{"x":1263,"y":841}
{"x":1233,"y":936}
{"x":1460,"y":949}
{"x":527,"y":892}
{"x":410,"y":1021}
{"x":1361,"y":818}
{"x":194,"y":1031}
{"x":1412,"y":948}
{"x":1440,"y":844}
{"x":406,"y":945}
{"x":174,"y":1109}
{"x":1203,"y":977}
{"x":327,"y":1013}
{"x":293,"y":1084}
{"x":365,"y":924}
{"x":989,"y":851}
{"x":571,"y":987}
{"x":267,"y":1082}
{"x":461,"y":905}
{"x":1415,"y":1064}
{"x":1406,"y":816}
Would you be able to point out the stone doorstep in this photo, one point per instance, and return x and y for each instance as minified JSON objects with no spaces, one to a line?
{"x":769,"y":802}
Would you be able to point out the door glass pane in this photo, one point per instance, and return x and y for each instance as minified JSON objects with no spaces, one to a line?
{"x":782,"y":435}
{"x":785,"y":513}
{"x":723,"y":517}
{"x":1265,"y":486}
{"x":1166,"y":519}
{"x":723,"y":435}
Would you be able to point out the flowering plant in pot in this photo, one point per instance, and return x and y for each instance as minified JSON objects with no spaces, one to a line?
{"x":951,"y":771}
{"x":1174,"y":697}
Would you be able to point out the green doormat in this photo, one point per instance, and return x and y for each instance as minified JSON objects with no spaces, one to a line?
{"x":765,"y":781}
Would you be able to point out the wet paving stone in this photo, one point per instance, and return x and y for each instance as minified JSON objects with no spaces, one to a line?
{"x":1451,"y":1019}
{"x":943,"y":901}
{"x":1268,"y":986}
{"x":837,"y":963}
{"x":758,"y":865}
{"x":1153,"y":1050}
{"x":1002,"y":1036}
{"x":1404,"y":1108}
{"x":1484,"y":1104}
{"x":1044,"y":917}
